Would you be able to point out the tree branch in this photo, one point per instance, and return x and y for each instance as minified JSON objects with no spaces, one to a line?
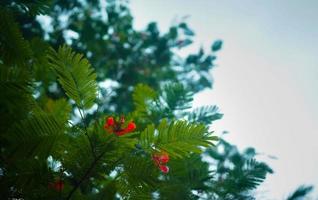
{"x":86,"y":133}
{"x":86,"y":174}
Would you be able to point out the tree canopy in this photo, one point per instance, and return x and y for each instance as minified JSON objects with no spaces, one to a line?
{"x":65,"y":135}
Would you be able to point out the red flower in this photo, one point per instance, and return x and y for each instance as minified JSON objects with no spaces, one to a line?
{"x":120,"y":132}
{"x":164,"y":168}
{"x":110,"y":121}
{"x":57,"y":185}
{"x":160,"y":160}
{"x":131,"y":127}
{"x":113,"y":126}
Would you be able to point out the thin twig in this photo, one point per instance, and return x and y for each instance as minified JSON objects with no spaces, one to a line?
{"x":86,"y":174}
{"x":86,"y":132}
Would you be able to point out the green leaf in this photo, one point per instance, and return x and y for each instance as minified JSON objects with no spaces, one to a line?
{"x":204,"y":114}
{"x":60,"y":109}
{"x":16,"y":95}
{"x":142,"y":96}
{"x":38,"y":135}
{"x":75,"y":74}
{"x":300,"y":193}
{"x":147,"y":137}
{"x":217,"y":45}
{"x":136,"y":166}
{"x":149,"y":104}
{"x":34,"y":7}
{"x":185,"y":176}
{"x":148,"y":108}
{"x":177,"y":97}
{"x":178,"y":138}
{"x":40,"y":68}
{"x":253,"y":174}
{"x":236,"y":173}
{"x":14,"y":49}
{"x":184,"y":43}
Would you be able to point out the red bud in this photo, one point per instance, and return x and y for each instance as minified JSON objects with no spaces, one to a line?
{"x":131,"y":126}
{"x":164,"y":168}
{"x":164,"y":158}
{"x":110,"y":121}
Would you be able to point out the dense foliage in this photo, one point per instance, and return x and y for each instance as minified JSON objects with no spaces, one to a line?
{"x":65,"y":136}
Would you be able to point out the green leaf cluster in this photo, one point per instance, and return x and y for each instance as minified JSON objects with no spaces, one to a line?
{"x":75,"y":75}
{"x":51,"y":129}
{"x":48,"y":141}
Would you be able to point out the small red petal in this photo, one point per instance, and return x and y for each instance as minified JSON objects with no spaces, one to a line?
{"x":131,"y":126}
{"x":120,"y":133}
{"x":110,"y":121}
{"x":164,"y":168}
{"x":164,"y":158}
{"x":155,"y":158}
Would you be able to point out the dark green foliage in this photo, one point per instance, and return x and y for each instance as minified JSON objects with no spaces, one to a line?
{"x":49,"y":131}
{"x":205,"y":114}
{"x":60,"y":109}
{"x":236,"y":174}
{"x":173,"y":101}
{"x":11,"y":41}
{"x":187,"y":179}
{"x":300,"y":193}
{"x":119,"y":52}
{"x":15,"y":97}
{"x":177,"y":97}
{"x":36,"y":135}
{"x":217,"y":45}
{"x":33,"y":7}
{"x":41,"y":66}
{"x":84,"y":155}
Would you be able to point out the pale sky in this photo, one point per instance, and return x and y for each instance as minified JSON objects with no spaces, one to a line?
{"x":266,"y":81}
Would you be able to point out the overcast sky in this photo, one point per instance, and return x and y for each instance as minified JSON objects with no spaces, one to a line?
{"x":266,"y":81}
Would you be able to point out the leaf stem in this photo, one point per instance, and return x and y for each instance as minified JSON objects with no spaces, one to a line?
{"x":86,"y":174}
{"x":86,"y":132}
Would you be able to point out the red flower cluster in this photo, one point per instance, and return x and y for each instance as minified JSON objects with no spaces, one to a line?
{"x":57,"y":185}
{"x":113,"y":126}
{"x":160,"y":160}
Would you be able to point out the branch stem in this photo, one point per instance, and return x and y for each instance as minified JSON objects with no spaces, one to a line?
{"x":86,"y":174}
{"x":86,"y":132}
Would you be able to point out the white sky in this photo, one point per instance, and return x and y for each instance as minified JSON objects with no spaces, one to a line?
{"x":266,"y":82}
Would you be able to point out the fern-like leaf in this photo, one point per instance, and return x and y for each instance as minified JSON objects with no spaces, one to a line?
{"x":177,"y":97}
{"x":143,"y":97}
{"x":185,"y":176}
{"x":14,"y":49}
{"x":33,"y":7}
{"x":75,"y":74}
{"x":204,"y":114}
{"x":253,"y":174}
{"x":300,"y":193}
{"x":38,"y":135}
{"x":15,"y":97}
{"x":60,"y":109}
{"x":177,"y":138}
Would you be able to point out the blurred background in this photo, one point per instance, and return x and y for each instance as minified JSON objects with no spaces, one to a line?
{"x":266,"y":78}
